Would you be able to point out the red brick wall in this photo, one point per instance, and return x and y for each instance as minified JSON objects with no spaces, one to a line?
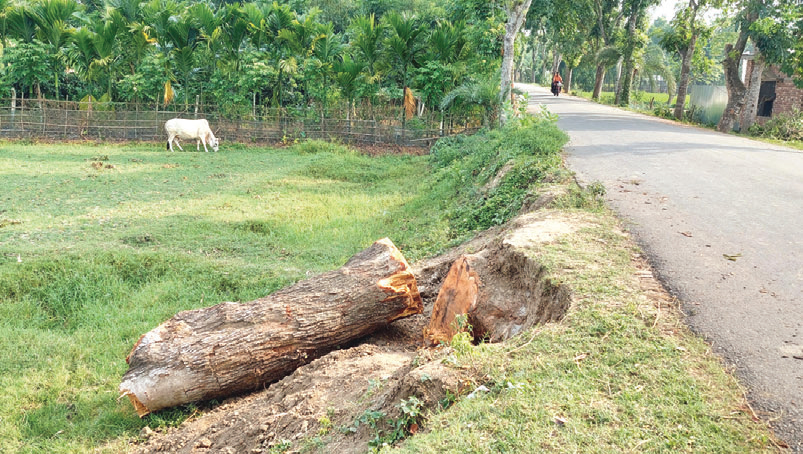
{"x":787,"y":96}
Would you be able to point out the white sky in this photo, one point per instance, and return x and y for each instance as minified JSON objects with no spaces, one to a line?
{"x":665,"y":9}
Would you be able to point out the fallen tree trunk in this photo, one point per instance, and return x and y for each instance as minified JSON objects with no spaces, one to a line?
{"x":231,"y":348}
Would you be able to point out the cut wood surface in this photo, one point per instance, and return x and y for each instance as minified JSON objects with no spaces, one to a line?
{"x":457,"y":296}
{"x":231,"y":348}
{"x":500,"y":290}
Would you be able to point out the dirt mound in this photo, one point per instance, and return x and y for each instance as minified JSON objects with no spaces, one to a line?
{"x":342,"y":401}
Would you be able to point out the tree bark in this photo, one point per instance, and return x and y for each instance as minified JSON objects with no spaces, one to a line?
{"x":733,"y":83}
{"x":685,"y":63}
{"x":231,"y":348}
{"x":752,"y":93}
{"x":618,"y":85}
{"x":599,"y":79}
{"x":516,"y":14}
{"x":568,"y":85}
{"x":623,"y":92}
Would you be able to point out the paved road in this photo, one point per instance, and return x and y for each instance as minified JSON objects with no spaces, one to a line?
{"x":691,"y":197}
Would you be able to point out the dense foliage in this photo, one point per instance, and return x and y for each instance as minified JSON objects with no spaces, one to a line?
{"x":289,"y":53}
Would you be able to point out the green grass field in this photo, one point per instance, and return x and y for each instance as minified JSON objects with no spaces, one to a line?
{"x":100,"y":243}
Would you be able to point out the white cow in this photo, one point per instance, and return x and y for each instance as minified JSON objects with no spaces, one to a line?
{"x":179,"y":128}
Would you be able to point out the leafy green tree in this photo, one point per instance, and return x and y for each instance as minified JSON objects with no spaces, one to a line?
{"x":687,"y":29}
{"x":772,"y":37}
{"x":634,"y":43}
{"x":751,"y":11}
{"x":604,"y":35}
{"x":26,"y":65}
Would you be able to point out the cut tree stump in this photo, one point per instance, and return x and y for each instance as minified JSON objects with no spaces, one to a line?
{"x":500,"y":291}
{"x":231,"y":348}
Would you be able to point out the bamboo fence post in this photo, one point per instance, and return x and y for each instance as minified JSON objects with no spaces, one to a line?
{"x":13,"y":106}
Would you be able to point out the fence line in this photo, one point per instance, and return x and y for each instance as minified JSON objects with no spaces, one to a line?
{"x":71,"y":120}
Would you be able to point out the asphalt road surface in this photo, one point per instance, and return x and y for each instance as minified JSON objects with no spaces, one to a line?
{"x":721,"y":218}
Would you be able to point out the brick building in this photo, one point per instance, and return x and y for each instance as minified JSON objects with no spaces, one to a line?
{"x":778,"y":93}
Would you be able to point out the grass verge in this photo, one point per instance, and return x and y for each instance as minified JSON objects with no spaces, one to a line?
{"x":620,"y":373}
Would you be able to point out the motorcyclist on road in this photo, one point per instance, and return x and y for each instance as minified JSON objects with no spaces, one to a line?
{"x":557,"y":83}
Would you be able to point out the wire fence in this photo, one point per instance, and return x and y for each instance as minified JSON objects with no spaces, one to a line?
{"x":363,"y":124}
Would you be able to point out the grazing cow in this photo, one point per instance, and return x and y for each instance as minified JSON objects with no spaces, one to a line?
{"x":179,"y":128}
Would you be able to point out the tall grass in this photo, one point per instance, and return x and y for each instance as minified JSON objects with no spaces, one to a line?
{"x":100,"y":243}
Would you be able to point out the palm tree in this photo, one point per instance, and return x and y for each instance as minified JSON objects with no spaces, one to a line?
{"x":52,"y":19}
{"x":20,"y":23}
{"x":349,"y":75}
{"x":483,"y":93}
{"x":106,"y":31}
{"x":81,"y":54}
{"x":297,"y":42}
{"x":233,"y":31}
{"x":159,"y":15}
{"x":447,"y":42}
{"x":327,"y":52}
{"x":366,"y":41}
{"x":3,"y":6}
{"x":184,"y":37}
{"x":404,"y":45}
{"x":604,"y":58}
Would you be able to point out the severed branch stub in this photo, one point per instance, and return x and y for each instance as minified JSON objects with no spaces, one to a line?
{"x":232,"y":348}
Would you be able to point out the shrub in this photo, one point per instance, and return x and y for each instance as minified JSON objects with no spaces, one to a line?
{"x":468,"y":168}
{"x":781,"y":127}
